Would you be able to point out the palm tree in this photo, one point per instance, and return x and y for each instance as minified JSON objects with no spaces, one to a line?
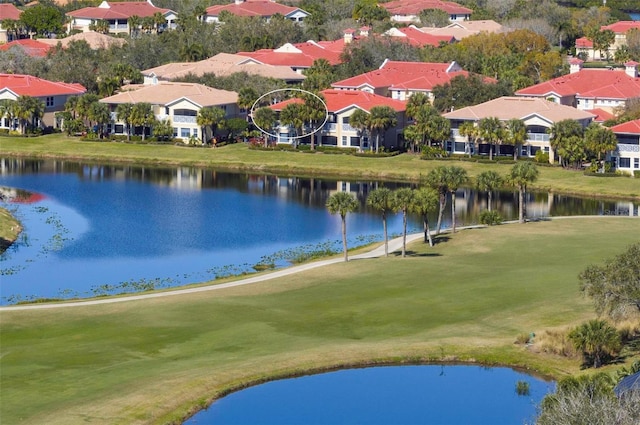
{"x":314,"y":112}
{"x":83,"y":105}
{"x":209,"y":117}
{"x":521,"y":175}
{"x":488,"y":181}
{"x":23,"y":110}
{"x":382,"y":118}
{"x":292,"y":115}
{"x":516,"y":134}
{"x":455,"y":177}
{"x":99,"y":112}
{"x":246,"y":98}
{"x":469,"y":130}
{"x":402,"y":200}
{"x":124,"y":112}
{"x":359,"y":120}
{"x":382,"y":200}
{"x":600,"y":140}
{"x":417,"y":102}
{"x":491,"y":131}
{"x":596,"y":339}
{"x":7,"y":110}
{"x":265,"y":119}
{"x":342,"y":203}
{"x":71,"y":105}
{"x":134,"y":25}
{"x":564,"y":135}
{"x":437,"y":180}
{"x":142,"y":116}
{"x":425,"y":201}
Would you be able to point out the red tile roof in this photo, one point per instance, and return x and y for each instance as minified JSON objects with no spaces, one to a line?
{"x":588,"y":83}
{"x":340,"y":100}
{"x":414,"y":7}
{"x":33,"y":48}
{"x":9,"y":11}
{"x":601,"y":114}
{"x":27,"y":85}
{"x":418,"y":38}
{"x":622,"y":27}
{"x":299,"y":55}
{"x":264,"y":8}
{"x":405,"y":75}
{"x":630,"y":127}
{"x":118,"y":10}
{"x":584,"y":42}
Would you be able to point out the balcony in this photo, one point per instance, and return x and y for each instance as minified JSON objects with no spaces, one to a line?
{"x":184,"y":119}
{"x":538,"y":137}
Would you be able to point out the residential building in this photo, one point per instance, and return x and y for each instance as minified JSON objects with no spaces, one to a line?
{"x":337,"y":132}
{"x":584,"y":45}
{"x":30,"y":47}
{"x":177,"y":102}
{"x":589,"y":88}
{"x":416,"y":37}
{"x":462,"y":29}
{"x":260,"y":8}
{"x":538,"y":115}
{"x":53,"y":95}
{"x":626,"y":157}
{"x":118,"y":14}
{"x":408,"y":11}
{"x":7,"y":12}
{"x":399,"y":80}
{"x":299,"y":56}
{"x":222,"y":64}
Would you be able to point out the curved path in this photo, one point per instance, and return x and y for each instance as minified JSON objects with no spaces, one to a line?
{"x":394,"y":245}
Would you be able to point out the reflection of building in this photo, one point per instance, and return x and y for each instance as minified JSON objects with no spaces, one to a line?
{"x":626,"y":157}
{"x":538,"y":115}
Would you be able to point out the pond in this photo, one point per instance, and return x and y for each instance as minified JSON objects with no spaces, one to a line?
{"x":92,"y":230}
{"x":431,"y":394}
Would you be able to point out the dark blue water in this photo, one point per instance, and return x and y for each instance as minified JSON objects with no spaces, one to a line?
{"x":97,"y":229}
{"x":443,"y":395}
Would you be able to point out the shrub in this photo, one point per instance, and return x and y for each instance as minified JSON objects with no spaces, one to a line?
{"x":430,"y":152}
{"x":542,"y":157}
{"x":490,"y":217}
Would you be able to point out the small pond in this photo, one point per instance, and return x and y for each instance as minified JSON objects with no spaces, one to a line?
{"x":432,"y":394}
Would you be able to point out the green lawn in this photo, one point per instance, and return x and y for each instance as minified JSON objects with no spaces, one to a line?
{"x":239,"y":157}
{"x":9,"y":229}
{"x":151,"y":361}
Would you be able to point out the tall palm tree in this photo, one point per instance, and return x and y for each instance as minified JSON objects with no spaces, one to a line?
{"x":489,"y":181}
{"x":382,"y":200}
{"x":491,"y":131}
{"x":292,"y":115}
{"x":455,"y":177}
{"x":83,"y":105}
{"x":134,"y":23}
{"x":596,"y":339}
{"x":469,"y":130}
{"x":516,"y":134}
{"x":425,"y":201}
{"x":359,"y":120}
{"x":521,"y":175}
{"x":23,"y":110}
{"x":382,"y":118}
{"x":209,"y":117}
{"x":437,"y":180}
{"x":99,"y":112}
{"x":124,"y":112}
{"x":265,"y":119}
{"x":246,"y":98}
{"x":600,"y":140}
{"x":417,"y":102}
{"x":314,"y":112}
{"x":565,"y":134}
{"x":142,"y":116}
{"x":402,"y":200}
{"x":7,"y":108}
{"x":342,"y":203}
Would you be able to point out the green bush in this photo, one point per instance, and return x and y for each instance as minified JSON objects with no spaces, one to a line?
{"x":542,"y":157}
{"x":431,"y":152}
{"x":490,"y":218}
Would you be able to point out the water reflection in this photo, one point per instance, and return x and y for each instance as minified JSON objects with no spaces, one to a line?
{"x":96,"y":229}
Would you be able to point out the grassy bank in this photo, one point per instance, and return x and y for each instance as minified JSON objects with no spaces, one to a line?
{"x":10,"y":228}
{"x":152,"y":361}
{"x":238,"y":157}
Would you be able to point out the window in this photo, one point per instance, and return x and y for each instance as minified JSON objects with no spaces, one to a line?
{"x":636,"y":162}
{"x":175,"y":131}
{"x":344,"y":140}
{"x":49,"y":101}
{"x":195,"y":132}
{"x":185,"y":133}
{"x":624,"y":163}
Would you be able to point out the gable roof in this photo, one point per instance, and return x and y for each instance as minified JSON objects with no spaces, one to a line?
{"x":33,"y":48}
{"x":165,"y":93}
{"x":9,"y":11}
{"x":629,"y":127}
{"x":588,"y":83}
{"x":414,"y":7}
{"x":95,"y":40}
{"x":27,"y":85}
{"x":404,"y":75}
{"x":601,"y":114}
{"x":223,"y":64}
{"x":299,"y":55}
{"x":262,"y":8}
{"x":621,"y":27}
{"x":419,"y":38}
{"x":341,"y":100}
{"x":509,"y":107}
{"x":119,"y":10}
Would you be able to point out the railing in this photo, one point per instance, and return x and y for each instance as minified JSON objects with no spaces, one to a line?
{"x":186,"y":119}
{"x":347,"y":127}
{"x":538,"y":137}
{"x":628,"y":148}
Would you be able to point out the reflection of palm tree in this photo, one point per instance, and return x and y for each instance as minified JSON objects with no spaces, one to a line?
{"x":520,"y":176}
{"x":455,"y":177}
{"x":488,"y":181}
{"x":382,"y":200}
{"x":342,"y":203}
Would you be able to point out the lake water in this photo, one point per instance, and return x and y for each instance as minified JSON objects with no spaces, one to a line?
{"x":433,"y":394}
{"x":98,"y":229}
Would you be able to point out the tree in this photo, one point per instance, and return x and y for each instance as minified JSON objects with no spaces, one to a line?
{"x":463,"y":91}
{"x":437,"y":180}
{"x":314,"y":112}
{"x":265,"y":119}
{"x":163,"y":129}
{"x":84,"y":104}
{"x":602,"y":40}
{"x":382,"y":118}
{"x":342,"y":203}
{"x":134,"y":23}
{"x":319,"y":76}
{"x":42,"y":19}
{"x":246,"y":98}
{"x":489,"y":181}
{"x":425,"y":200}
{"x":235,"y":127}
{"x":209,"y":117}
{"x":124,"y":112}
{"x":614,"y":286}
{"x":403,"y":198}
{"x":515,"y":134}
{"x":599,"y":140}
{"x":471,"y":131}
{"x":100,"y":114}
{"x":382,"y":200}
{"x":7,"y":110}
{"x":101,"y":26}
{"x":520,"y":176}
{"x":437,"y":18}
{"x":596,"y":339}
{"x":292,"y":115}
{"x":492,"y":132}
{"x":142,"y":116}
{"x":359,"y":120}
{"x":455,"y":177}
{"x":28,"y":110}
{"x":567,"y":141}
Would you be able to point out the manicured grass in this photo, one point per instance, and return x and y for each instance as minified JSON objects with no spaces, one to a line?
{"x":239,"y":157}
{"x":151,"y":361}
{"x":9,"y":229}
